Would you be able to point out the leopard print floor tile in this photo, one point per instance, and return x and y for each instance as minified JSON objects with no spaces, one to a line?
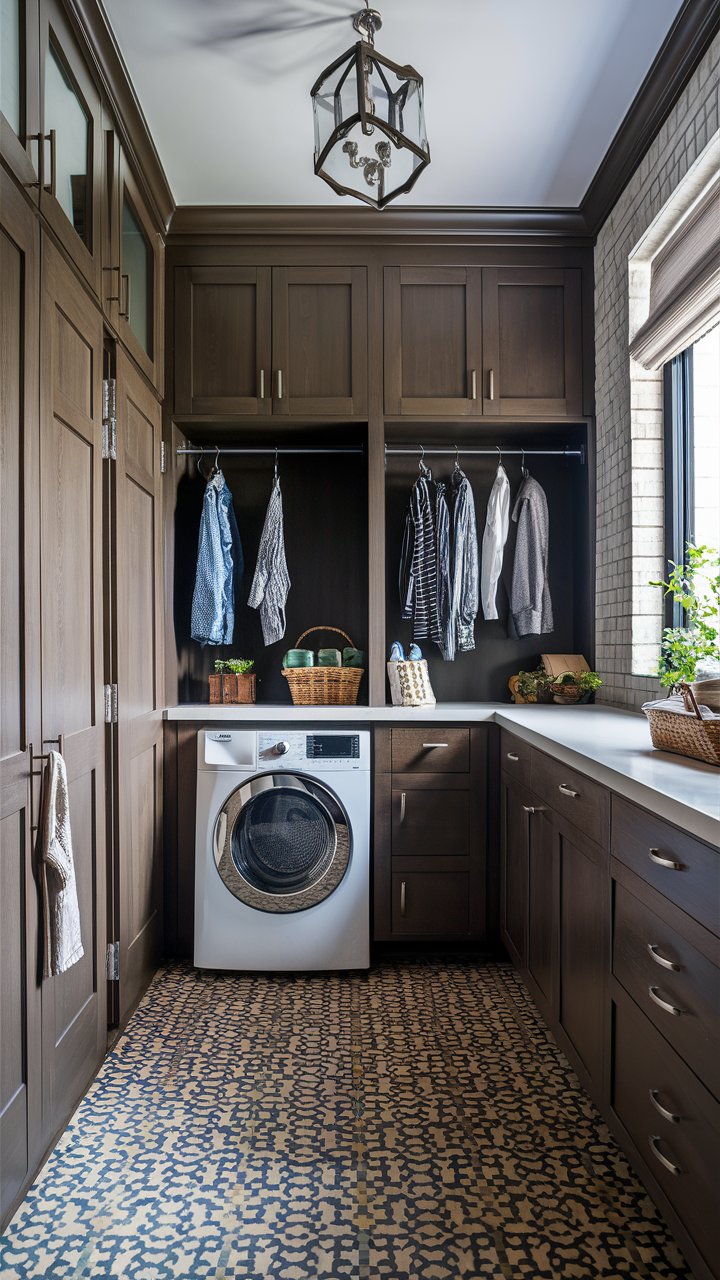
{"x":413,"y":1123}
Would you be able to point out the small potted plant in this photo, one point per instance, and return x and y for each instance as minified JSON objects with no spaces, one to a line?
{"x":529,"y":686}
{"x":244,"y":679}
{"x":574,"y":686}
{"x":683,"y":647}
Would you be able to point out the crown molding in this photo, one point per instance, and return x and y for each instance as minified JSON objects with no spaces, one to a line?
{"x":418,"y":224}
{"x":92,"y":22}
{"x":692,"y":32}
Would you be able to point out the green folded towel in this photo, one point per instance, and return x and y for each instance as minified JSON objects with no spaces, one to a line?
{"x":329,"y":658}
{"x":352,"y":657}
{"x":299,"y":658}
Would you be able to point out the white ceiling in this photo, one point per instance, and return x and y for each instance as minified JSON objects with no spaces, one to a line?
{"x":522,"y":97}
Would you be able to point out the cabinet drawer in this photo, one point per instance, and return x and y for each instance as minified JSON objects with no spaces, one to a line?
{"x":572,"y":795}
{"x":515,"y":757}
{"x":691,"y":986}
{"x":646,"y":844}
{"x":648,"y":1076}
{"x":430,"y":903}
{"x":431,"y":750}
{"x":431,"y":823}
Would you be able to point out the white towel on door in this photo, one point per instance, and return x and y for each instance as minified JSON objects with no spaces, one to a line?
{"x":63,"y":941}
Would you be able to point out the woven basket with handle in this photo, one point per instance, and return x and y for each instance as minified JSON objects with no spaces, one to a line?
{"x":324,"y":686}
{"x":685,"y":735}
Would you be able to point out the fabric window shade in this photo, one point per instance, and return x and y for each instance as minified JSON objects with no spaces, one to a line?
{"x":684,"y":286}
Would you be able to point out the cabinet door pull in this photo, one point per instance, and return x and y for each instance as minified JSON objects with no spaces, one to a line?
{"x":534,"y":808}
{"x":433,"y":744}
{"x":565,"y":790}
{"x":669,"y":1008}
{"x":124,"y":294}
{"x":668,"y":1163}
{"x":666,"y":1115}
{"x":513,"y":757}
{"x":50,"y":186}
{"x":473,"y":382}
{"x":402,"y":898}
{"x":402,"y":806}
{"x":279,"y":384}
{"x":666,"y":964}
{"x":654,"y":856}
{"x":262,"y":384}
{"x":492,"y":385}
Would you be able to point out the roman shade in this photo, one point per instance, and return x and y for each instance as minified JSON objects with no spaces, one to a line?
{"x":684,"y":286}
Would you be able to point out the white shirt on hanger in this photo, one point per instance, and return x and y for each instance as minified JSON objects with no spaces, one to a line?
{"x":497,"y":524}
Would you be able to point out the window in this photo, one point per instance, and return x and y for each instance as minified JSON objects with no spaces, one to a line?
{"x":692,"y":452}
{"x":10,"y":62}
{"x":136,"y":262}
{"x":66,"y":116}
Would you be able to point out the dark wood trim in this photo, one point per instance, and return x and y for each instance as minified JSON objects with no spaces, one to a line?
{"x":117,"y":86}
{"x":694,"y":28}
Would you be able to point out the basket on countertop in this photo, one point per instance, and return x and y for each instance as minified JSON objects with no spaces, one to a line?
{"x":324,"y":686}
{"x":685,"y":735}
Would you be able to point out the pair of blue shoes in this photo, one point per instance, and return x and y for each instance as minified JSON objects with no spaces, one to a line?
{"x":397,"y":653}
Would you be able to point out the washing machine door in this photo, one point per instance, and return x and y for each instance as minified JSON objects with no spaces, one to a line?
{"x":282,"y":842}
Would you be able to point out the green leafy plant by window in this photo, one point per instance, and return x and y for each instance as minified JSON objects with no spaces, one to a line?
{"x":683,"y":647}
{"x":586,"y":681}
{"x":235,"y":666}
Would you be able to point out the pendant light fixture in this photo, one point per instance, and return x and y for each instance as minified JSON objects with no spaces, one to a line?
{"x":369,"y":121}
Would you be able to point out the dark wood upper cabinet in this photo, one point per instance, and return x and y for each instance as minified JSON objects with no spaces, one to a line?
{"x":133,"y":262}
{"x":71,"y":161}
{"x":320,"y":340}
{"x":433,"y":349}
{"x":223,"y":334}
{"x":19,"y":92}
{"x":532,"y":342}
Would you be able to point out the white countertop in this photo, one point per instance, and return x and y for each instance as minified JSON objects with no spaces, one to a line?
{"x":609,"y":745}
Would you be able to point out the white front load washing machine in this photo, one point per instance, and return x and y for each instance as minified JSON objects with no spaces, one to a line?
{"x":282,"y":849}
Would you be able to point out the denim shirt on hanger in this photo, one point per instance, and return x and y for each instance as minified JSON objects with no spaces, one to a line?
{"x":219,"y":564}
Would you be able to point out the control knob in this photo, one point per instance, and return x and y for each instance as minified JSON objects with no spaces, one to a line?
{"x":281,"y":748}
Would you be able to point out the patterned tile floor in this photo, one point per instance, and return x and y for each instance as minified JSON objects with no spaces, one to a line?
{"x":413,"y":1123}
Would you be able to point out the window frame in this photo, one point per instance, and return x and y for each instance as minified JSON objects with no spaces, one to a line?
{"x":679,"y":436}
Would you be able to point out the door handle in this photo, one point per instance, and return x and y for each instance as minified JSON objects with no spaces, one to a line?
{"x":666,"y":1115}
{"x":534,"y":808}
{"x":668,"y":1163}
{"x":666,"y":964}
{"x":124,"y":311}
{"x":565,"y":790}
{"x":491,"y":389}
{"x":402,"y":898}
{"x":402,"y":806}
{"x":669,"y":1008}
{"x":473,"y":383}
{"x":280,"y":386}
{"x":512,"y":757}
{"x":50,"y":186}
{"x":262,"y":384}
{"x":654,"y":856}
{"x":427,"y":745}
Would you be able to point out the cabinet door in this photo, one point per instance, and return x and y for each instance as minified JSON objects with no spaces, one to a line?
{"x":133,"y":280}
{"x":71,"y":152}
{"x":542,"y":910}
{"x":222,"y":340}
{"x":320,"y":340}
{"x":431,"y":823}
{"x":430,"y":903}
{"x":20,"y":1095}
{"x":532,"y":342}
{"x":433,"y":353}
{"x":137,"y":581}
{"x":584,"y":949}
{"x":19,"y":102}
{"x":514,"y":871}
{"x":71,"y":627}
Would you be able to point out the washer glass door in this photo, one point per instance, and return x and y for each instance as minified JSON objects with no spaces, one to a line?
{"x":282,"y":842}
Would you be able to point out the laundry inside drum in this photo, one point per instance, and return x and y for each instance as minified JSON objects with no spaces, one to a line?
{"x":284,"y":841}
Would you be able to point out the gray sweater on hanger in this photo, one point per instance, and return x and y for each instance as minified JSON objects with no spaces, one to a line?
{"x":530,"y":604}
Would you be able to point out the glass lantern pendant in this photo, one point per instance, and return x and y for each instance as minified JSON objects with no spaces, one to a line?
{"x":369,"y":121}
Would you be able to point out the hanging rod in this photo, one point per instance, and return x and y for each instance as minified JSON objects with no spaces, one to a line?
{"x":497,"y":452}
{"x":351,"y":448}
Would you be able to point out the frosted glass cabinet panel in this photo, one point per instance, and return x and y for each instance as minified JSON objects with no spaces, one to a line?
{"x":136,"y":276}
{"x":10,"y":67}
{"x":66,"y":124}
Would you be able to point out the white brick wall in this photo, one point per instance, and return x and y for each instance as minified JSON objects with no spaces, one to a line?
{"x":629,"y":407}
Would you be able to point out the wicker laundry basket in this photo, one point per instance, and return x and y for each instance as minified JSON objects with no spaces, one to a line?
{"x":688,"y":735}
{"x":324,"y":686}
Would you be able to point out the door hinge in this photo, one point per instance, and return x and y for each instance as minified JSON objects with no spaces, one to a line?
{"x":112,"y":962}
{"x":111,"y":703}
{"x":163,"y":457}
{"x":109,"y":418}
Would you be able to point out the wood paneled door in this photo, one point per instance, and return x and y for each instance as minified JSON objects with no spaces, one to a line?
{"x":433,"y":346}
{"x":320,"y":340}
{"x":133,"y":270}
{"x":223,"y":337}
{"x":137,"y":577}
{"x":532,"y":342}
{"x":71,"y":627}
{"x":20,"y":1085}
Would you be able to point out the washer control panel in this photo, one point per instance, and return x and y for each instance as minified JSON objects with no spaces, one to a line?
{"x":289,"y":750}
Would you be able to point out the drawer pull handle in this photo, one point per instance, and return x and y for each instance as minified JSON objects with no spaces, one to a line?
{"x":433,"y":744}
{"x":513,"y":757}
{"x":666,"y":1115}
{"x":669,"y":1008}
{"x":402,"y":898}
{"x":654,"y":856}
{"x":534,"y":808}
{"x":565,"y":790}
{"x":666,"y":964}
{"x":663,"y":1160}
{"x":402,"y":806}
{"x":262,"y":384}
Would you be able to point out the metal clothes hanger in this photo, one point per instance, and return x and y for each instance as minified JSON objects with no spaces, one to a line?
{"x":422,"y":468}
{"x":457,"y":469}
